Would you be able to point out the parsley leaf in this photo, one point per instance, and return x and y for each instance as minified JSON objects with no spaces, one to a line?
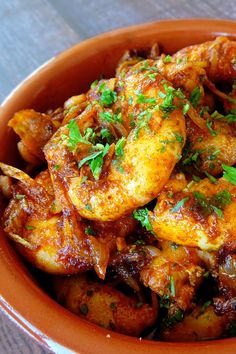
{"x":186,"y":108}
{"x":95,"y":161}
{"x":229,"y":118}
{"x":172,"y":286}
{"x":108,"y":117}
{"x":106,"y":134}
{"x":108,"y":97}
{"x":209,"y":127}
{"x":223,"y":198}
{"x":179,"y":137}
{"x":75,"y":136}
{"x":89,"y":231}
{"x":167,"y":59}
{"x":218,"y":211}
{"x":119,"y":147}
{"x":195,"y":97}
{"x":179,"y":205}
{"x":142,"y":216}
{"x":167,"y":106}
{"x":229,"y":174}
{"x":29,"y":227}
{"x":143,"y":99}
{"x":19,"y":196}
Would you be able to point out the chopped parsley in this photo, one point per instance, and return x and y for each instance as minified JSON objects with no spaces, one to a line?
{"x":216,"y":203}
{"x":95,"y":160}
{"x":179,"y":137}
{"x":143,"y":99}
{"x":119,"y":149}
{"x":152,"y":76}
{"x":172,"y":286}
{"x":211,"y":178}
{"x":167,"y":106}
{"x":111,"y":118}
{"x":204,"y":306}
{"x":222,"y":198}
{"x":19,"y":196}
{"x":167,"y":58}
{"x":29,"y":227}
{"x":108,"y":97}
{"x":142,"y":216}
{"x":179,"y":205}
{"x":75,"y":136}
{"x":106,"y":134}
{"x":107,"y":116}
{"x":196,"y":178}
{"x":89,"y":231}
{"x":94,"y":84}
{"x":186,"y":108}
{"x":195,"y":97}
{"x":229,"y":118}
{"x":209,"y":127}
{"x":218,"y":212}
{"x":229,"y":174}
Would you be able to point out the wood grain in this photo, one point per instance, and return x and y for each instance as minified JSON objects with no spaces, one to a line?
{"x":32,"y":31}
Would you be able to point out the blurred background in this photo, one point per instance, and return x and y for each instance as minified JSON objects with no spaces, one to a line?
{"x":33,"y":31}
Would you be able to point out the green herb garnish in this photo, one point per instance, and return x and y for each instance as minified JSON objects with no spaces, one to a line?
{"x":179,"y":205}
{"x":89,"y":231}
{"x":19,"y":196}
{"x":75,"y":136}
{"x":108,"y":97}
{"x":29,"y":227}
{"x":167,"y":58}
{"x":119,"y":149}
{"x":195,"y":97}
{"x":229,"y":174}
{"x":142,"y":216}
{"x":209,"y":127}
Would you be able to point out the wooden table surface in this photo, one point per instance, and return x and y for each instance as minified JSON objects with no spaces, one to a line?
{"x":32,"y":31}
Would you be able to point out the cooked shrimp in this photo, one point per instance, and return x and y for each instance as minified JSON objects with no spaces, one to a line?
{"x":174,"y":274}
{"x":51,"y":239}
{"x":201,"y":214}
{"x":49,"y":235}
{"x":34,"y":129}
{"x":143,"y":164}
{"x":209,"y":149}
{"x":218,"y":58}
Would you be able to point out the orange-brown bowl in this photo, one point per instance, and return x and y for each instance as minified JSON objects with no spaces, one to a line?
{"x":71,"y":73}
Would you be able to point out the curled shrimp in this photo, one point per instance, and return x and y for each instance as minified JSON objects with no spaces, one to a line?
{"x":218,"y":58}
{"x":140,"y":168}
{"x":200,"y":214}
{"x":49,"y":234}
{"x":34,"y":129}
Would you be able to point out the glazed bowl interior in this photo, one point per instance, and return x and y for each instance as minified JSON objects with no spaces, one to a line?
{"x":68,"y":74}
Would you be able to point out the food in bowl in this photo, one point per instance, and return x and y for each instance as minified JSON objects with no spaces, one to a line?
{"x":130,"y":211}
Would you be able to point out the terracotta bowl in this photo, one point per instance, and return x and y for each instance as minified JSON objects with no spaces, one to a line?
{"x":71,"y":73}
